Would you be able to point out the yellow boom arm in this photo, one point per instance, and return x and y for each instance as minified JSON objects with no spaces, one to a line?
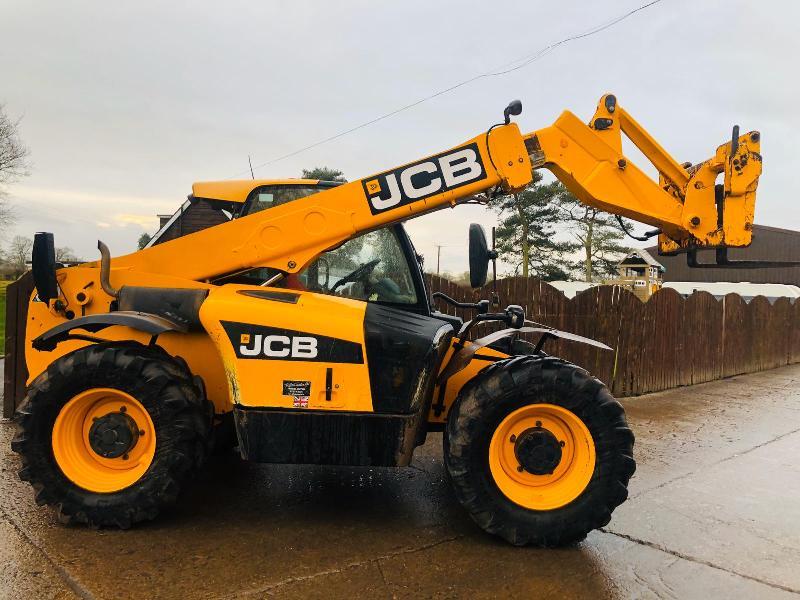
{"x":587,"y":158}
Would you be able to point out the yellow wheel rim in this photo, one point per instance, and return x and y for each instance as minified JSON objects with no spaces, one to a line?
{"x":529,"y":425}
{"x":82,"y":464}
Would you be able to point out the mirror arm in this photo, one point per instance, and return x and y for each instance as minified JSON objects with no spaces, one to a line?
{"x":481,"y":307}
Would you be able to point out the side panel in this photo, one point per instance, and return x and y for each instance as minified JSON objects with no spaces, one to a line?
{"x":303,"y":352}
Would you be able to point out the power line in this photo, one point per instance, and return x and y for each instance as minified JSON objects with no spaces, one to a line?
{"x":499,"y":71}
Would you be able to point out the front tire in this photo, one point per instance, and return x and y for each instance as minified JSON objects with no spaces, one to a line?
{"x":108,"y":434}
{"x":538,"y":451}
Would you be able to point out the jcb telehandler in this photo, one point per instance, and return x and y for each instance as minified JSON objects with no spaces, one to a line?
{"x":301,"y":331}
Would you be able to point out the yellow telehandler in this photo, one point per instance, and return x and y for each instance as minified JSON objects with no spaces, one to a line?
{"x":300,"y":331}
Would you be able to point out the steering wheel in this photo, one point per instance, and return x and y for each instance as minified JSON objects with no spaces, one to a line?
{"x":358,"y":273}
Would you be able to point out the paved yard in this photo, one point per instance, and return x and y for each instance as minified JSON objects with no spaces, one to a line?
{"x":714,"y":513}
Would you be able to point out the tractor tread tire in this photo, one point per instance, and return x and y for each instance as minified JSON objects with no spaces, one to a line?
{"x":163,"y":384}
{"x":506,"y":386}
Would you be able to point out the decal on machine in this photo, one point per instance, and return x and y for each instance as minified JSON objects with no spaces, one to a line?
{"x":424,"y":178}
{"x":300,"y":391}
{"x":272,"y":343}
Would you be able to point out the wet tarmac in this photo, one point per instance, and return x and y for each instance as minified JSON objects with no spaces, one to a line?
{"x":714,"y":512}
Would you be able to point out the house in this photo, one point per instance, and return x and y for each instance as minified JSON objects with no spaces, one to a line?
{"x":193,"y":215}
{"x":769,"y":243}
{"x":640,"y":273}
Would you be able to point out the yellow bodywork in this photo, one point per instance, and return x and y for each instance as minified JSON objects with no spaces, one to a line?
{"x":258,"y":383}
{"x":587,"y":158}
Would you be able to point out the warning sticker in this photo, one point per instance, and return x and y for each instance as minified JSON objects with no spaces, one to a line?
{"x":299,"y":391}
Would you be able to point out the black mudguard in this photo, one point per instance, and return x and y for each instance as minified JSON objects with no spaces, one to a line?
{"x":152,"y":324}
{"x":463,"y":356}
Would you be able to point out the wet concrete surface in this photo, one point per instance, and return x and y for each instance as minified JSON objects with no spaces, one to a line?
{"x":714,"y":513}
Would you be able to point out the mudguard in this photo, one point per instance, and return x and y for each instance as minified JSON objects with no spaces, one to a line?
{"x":152,"y":324}
{"x":462,"y":357}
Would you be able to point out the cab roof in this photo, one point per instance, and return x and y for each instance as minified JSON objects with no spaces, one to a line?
{"x":238,"y":190}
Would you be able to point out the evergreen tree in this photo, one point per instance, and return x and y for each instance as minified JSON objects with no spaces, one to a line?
{"x":324,"y":174}
{"x":526,"y":235}
{"x":597,"y":234}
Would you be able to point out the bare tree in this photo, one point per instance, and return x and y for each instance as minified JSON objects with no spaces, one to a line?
{"x":65,"y":254}
{"x":13,"y":164}
{"x":18,"y":253}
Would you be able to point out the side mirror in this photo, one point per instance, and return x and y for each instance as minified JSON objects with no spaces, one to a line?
{"x":514,"y":108}
{"x":479,"y":256}
{"x":43,"y":259}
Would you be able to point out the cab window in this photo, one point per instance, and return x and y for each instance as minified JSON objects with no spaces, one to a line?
{"x":371,"y":267}
{"x":268,"y":196}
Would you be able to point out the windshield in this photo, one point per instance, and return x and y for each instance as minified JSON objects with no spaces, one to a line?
{"x":371,"y":267}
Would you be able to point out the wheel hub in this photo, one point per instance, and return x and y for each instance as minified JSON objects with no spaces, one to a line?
{"x":113,"y":435}
{"x":538,"y":451}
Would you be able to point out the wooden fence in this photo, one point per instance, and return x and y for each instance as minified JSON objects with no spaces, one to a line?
{"x":666,"y":342}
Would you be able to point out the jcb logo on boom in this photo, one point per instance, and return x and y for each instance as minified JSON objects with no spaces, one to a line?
{"x":278,"y":346}
{"x":425,"y":178}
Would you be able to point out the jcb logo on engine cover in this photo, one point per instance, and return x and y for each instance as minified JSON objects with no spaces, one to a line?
{"x":271,"y":343}
{"x":425,"y":178}
{"x":278,"y":346}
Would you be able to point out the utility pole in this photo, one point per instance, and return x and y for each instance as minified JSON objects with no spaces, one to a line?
{"x":438,"y":255}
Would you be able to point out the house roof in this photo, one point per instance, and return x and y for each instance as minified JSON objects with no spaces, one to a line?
{"x":641,"y":256}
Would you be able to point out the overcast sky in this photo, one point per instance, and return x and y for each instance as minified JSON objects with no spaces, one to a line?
{"x":124,"y":105}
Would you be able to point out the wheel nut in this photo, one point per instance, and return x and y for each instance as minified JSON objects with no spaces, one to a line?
{"x":538,"y":423}
{"x":562,"y":443}
{"x":520,"y":468}
{"x":141,"y":432}
{"x":513,"y":438}
{"x":123,"y":409}
{"x":124,"y":457}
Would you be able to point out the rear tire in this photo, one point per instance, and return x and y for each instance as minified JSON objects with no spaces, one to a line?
{"x":162,"y":395}
{"x":548,"y":386}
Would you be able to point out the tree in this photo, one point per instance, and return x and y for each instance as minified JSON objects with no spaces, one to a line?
{"x":19,"y":252}
{"x":13,"y":164}
{"x":143,"y":240}
{"x":324,"y":174}
{"x":598,"y":235}
{"x":65,"y":254}
{"x":526,"y":236}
